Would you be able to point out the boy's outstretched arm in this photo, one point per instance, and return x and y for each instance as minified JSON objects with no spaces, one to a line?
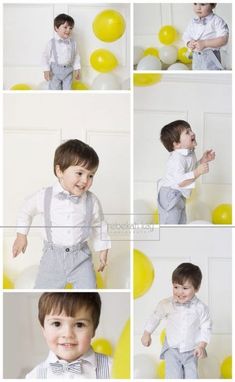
{"x":103,"y":260}
{"x":20,"y":244}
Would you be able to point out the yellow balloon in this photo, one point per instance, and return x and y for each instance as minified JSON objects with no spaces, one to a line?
{"x":143,"y":274}
{"x":103,"y":346}
{"x":183,"y":55}
{"x":222,"y":214}
{"x":162,"y":336}
{"x":103,"y":60}
{"x":109,"y":25}
{"x":226,"y":368}
{"x":7,"y":283}
{"x":21,"y":87}
{"x":156,"y":217}
{"x":161,"y":369}
{"x":99,"y":281}
{"x":146,"y":79}
{"x":121,"y":359}
{"x":167,"y":35}
{"x":151,"y":51}
{"x":69,"y":286}
{"x":78,"y":85}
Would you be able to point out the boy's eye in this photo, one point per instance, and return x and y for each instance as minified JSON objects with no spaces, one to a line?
{"x":91,"y":176}
{"x":80,"y":324}
{"x":79,"y":173}
{"x":56,"y":324}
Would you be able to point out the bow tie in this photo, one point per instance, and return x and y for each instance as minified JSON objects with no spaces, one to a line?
{"x":61,"y":41}
{"x":63,"y":196}
{"x":60,"y":368}
{"x":186,"y":304}
{"x":202,"y":21}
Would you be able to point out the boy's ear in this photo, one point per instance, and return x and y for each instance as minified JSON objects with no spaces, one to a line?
{"x":58,"y":171}
{"x":176,"y":145}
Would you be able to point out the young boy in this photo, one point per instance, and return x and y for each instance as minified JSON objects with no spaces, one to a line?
{"x":188,"y":324}
{"x":69,"y":322}
{"x":72,"y":215}
{"x":204,"y":36}
{"x":60,"y":58}
{"x":182,"y":171}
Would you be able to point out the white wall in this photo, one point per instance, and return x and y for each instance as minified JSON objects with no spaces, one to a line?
{"x":204,"y":100}
{"x":35,"y":124}
{"x":149,"y":18}
{"x":24,"y":344}
{"x":210,"y":249}
{"x":28,"y":28}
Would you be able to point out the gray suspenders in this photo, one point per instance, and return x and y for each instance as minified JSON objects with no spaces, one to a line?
{"x":54,"y":51}
{"x":47,"y":215}
{"x":102,"y":370}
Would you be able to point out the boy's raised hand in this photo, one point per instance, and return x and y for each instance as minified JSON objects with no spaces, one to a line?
{"x":103,"y":260}
{"x":20,"y":244}
{"x":208,"y":156}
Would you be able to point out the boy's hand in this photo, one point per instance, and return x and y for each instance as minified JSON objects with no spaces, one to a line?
{"x":146,"y":339}
{"x":77,"y":74}
{"x":208,"y":156}
{"x":191,"y":44}
{"x":20,"y":244}
{"x":103,"y":260}
{"x":47,"y":75}
{"x":200,"y":45}
{"x":200,"y":351}
{"x":203,"y":168}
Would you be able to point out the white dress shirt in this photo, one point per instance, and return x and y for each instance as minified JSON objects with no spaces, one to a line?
{"x":180,"y":166}
{"x":209,"y":27}
{"x":186,"y":324}
{"x":64,"y":53}
{"x":89,"y":365}
{"x":67,"y":219}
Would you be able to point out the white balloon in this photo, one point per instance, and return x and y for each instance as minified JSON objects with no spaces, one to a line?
{"x":106,"y":81}
{"x":198,"y":210}
{"x":149,"y":63}
{"x":144,"y":367}
{"x":143,"y":212}
{"x":178,"y":66}
{"x":138,"y":54}
{"x":118,"y":273}
{"x":168,"y":54}
{"x":201,"y":222}
{"x":43,"y":85}
{"x":26,"y":279}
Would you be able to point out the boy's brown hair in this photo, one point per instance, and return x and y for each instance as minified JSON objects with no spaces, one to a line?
{"x":75,"y":153}
{"x":171,"y":132}
{"x":187,"y":272}
{"x":69,"y":303}
{"x":63,"y":18}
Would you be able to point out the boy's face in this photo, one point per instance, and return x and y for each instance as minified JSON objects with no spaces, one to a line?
{"x":76,"y":179}
{"x":64,"y":31}
{"x":69,"y":337}
{"x":183,"y":293}
{"x":187,"y":140}
{"x":202,"y":9}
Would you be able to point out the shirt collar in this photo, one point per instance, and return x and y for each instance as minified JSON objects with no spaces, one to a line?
{"x":89,"y":357}
{"x":57,"y":188}
{"x":58,"y":38}
{"x":184,"y":152}
{"x":191,"y":302}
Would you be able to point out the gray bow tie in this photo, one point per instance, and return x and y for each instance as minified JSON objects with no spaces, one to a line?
{"x":63,"y":196}
{"x":60,"y":368}
{"x":202,"y":21}
{"x":186,"y":304}
{"x":64,"y":41}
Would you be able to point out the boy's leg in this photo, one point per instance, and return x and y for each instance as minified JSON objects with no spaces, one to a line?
{"x":55,"y":83}
{"x":183,"y":217}
{"x":170,"y":206}
{"x":81,"y":271}
{"x":174,"y":368}
{"x":50,"y":274}
{"x":67,"y":82}
{"x":190,"y":363}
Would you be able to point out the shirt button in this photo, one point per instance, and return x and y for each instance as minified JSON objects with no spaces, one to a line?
{"x":67,"y":249}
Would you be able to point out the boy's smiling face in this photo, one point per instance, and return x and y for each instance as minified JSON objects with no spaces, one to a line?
{"x":64,"y":31}
{"x":183,"y":293}
{"x":75,"y":179}
{"x":69,"y":337}
{"x":202,"y":9}
{"x":187,"y":140}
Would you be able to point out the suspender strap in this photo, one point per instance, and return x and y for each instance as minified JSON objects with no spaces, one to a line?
{"x":102,"y":370}
{"x":47,"y":215}
{"x":54,"y":51}
{"x":88,"y":217}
